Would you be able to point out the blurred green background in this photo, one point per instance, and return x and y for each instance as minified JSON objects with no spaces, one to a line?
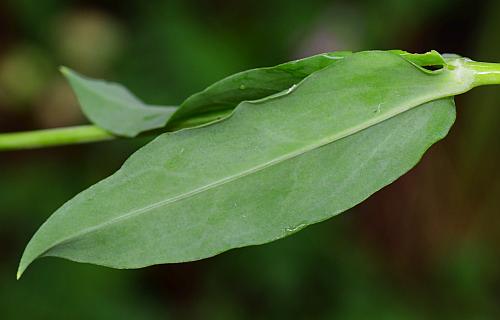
{"x":426,"y":247}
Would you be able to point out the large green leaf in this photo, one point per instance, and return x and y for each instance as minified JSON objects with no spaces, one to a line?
{"x":275,"y":166}
{"x":112,"y":107}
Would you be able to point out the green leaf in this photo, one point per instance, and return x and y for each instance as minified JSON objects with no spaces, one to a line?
{"x":275,"y":166}
{"x":218,"y":100}
{"x":223,"y":96}
{"x":113,"y":108}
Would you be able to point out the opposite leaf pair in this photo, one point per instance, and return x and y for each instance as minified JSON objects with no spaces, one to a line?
{"x":299,"y":143}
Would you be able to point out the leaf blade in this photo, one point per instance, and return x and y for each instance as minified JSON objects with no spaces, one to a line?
{"x":183,"y":216}
{"x":112,"y":107}
{"x":253,"y":84}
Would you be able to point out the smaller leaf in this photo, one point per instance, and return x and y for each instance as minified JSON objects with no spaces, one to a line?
{"x":218,"y":100}
{"x":112,"y":107}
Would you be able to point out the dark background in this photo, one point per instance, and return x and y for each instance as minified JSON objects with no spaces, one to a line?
{"x":425,"y":247}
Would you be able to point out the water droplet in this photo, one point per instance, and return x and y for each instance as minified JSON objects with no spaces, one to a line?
{"x":291,"y":88}
{"x":242,"y":87}
{"x":294,"y":228}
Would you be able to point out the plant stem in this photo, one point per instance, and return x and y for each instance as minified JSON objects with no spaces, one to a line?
{"x":83,"y":134}
{"x":53,"y":137}
{"x":484,"y":73}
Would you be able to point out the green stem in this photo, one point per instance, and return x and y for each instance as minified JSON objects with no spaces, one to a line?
{"x":484,"y":73}
{"x":53,"y":137}
{"x":83,"y":134}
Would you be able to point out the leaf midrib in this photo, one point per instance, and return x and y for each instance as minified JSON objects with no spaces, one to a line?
{"x":228,"y":179}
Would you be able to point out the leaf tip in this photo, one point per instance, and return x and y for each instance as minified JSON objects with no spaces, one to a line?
{"x":26,"y":260}
{"x":20,"y":270}
{"x":65,"y":71}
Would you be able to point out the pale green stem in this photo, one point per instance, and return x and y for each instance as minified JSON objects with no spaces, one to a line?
{"x":53,"y":137}
{"x":485,"y":73}
{"x":81,"y":134}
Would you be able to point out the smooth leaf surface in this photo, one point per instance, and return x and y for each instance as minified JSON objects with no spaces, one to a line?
{"x":272,"y":168}
{"x":224,"y":95}
{"x":218,"y":100}
{"x":113,"y":108}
